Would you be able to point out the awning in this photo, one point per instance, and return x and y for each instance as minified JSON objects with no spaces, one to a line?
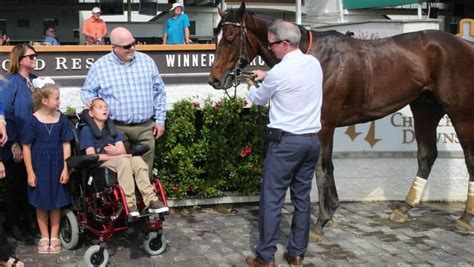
{"x":356,"y":4}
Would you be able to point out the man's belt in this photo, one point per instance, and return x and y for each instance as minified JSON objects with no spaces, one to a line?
{"x":283,"y":133}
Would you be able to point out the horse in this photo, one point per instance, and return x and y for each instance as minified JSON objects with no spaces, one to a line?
{"x":364,"y":80}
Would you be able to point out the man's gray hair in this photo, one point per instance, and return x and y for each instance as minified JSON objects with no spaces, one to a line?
{"x":284,"y":30}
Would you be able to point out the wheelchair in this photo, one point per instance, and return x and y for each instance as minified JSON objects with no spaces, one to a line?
{"x":99,"y":207}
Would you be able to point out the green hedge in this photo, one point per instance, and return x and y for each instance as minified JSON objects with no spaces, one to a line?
{"x":210,"y":150}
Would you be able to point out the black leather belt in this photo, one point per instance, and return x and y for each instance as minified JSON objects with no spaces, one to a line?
{"x":283,"y":133}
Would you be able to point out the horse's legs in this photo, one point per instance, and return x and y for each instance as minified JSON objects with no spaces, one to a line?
{"x":427,"y":115}
{"x":328,"y":199}
{"x":465,"y":130}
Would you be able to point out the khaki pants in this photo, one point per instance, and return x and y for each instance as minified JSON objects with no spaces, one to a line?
{"x":140,"y":134}
{"x":130,"y":171}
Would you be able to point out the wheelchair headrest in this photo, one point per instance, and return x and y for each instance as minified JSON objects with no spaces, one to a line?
{"x":95,"y":129}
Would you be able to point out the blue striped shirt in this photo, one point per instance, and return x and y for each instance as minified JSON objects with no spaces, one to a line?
{"x":134,"y":92}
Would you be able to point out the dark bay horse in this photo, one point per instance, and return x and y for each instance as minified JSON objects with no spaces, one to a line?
{"x":364,"y":80}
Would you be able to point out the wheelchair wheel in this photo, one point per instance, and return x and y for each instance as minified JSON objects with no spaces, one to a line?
{"x":93,"y":256}
{"x":154,"y":243}
{"x":69,"y":232}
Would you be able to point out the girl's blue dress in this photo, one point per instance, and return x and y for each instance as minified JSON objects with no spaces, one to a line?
{"x":47,"y":158}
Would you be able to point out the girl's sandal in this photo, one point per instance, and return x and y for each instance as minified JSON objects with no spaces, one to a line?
{"x":13,"y":262}
{"x":55,"y":246}
{"x":43,"y":245}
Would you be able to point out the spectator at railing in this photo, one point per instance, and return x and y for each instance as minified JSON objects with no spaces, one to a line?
{"x":176,"y":30}
{"x":4,"y":39}
{"x":50,"y":37}
{"x":94,"y":28}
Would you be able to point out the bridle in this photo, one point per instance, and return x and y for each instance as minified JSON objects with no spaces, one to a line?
{"x":243,"y":55}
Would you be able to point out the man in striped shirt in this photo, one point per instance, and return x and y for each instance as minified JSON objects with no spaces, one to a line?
{"x":131,"y":85}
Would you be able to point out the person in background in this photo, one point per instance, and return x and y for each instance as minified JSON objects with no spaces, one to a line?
{"x":294,"y":89}
{"x":7,"y":257}
{"x":4,"y":39}
{"x":50,"y":37}
{"x":18,"y":104}
{"x":176,"y":30}
{"x":94,"y":28}
{"x":131,"y":85}
{"x":46,"y":146}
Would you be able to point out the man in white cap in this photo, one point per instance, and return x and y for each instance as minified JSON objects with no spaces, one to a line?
{"x":176,"y":30}
{"x":94,"y":28}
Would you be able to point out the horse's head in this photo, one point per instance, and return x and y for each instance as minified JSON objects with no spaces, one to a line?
{"x":234,"y":50}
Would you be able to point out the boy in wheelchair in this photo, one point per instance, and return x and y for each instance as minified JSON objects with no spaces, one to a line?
{"x":130,"y":169}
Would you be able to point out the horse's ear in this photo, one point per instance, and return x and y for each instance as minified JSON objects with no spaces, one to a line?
{"x":221,"y":12}
{"x":241,"y":12}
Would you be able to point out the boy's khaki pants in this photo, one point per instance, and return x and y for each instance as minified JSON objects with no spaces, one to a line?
{"x":131,"y":170}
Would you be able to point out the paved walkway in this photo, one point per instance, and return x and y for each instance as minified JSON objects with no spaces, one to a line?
{"x":223,"y":235}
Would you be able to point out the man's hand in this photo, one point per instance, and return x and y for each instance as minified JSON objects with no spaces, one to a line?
{"x":158,"y":130}
{"x":189,"y":41}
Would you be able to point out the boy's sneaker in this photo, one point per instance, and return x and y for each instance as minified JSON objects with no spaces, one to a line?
{"x":157,"y":207}
{"x":133,"y":212}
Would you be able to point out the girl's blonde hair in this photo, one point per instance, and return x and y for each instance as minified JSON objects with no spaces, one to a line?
{"x":16,"y":55}
{"x":42,"y":93}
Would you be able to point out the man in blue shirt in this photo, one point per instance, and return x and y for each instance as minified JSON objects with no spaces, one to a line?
{"x":130,"y":83}
{"x":176,"y":30}
{"x":50,"y":38}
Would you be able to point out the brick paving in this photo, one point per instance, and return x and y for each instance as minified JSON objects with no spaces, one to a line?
{"x":223,"y":235}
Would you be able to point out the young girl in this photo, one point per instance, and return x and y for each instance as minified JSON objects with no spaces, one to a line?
{"x":46,"y":144}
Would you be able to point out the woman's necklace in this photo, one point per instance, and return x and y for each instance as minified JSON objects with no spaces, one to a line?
{"x":50,"y":129}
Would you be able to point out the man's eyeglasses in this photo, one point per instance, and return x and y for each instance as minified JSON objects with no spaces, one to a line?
{"x":126,"y":47}
{"x":276,"y":42}
{"x":31,"y":57}
{"x":51,"y":31}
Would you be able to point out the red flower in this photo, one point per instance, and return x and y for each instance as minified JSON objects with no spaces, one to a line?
{"x":246,"y":152}
{"x":246,"y":103}
{"x":217,"y":105}
{"x":197,"y":105}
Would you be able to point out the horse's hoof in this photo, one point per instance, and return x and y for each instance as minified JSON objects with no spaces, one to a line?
{"x":463,"y":227}
{"x":398,"y":216}
{"x":331,"y":223}
{"x":319,"y":237}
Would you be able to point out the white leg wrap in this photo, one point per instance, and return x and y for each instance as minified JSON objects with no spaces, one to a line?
{"x":414,"y":195}
{"x":470,"y":199}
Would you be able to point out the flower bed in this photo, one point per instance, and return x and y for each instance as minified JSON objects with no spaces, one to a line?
{"x":212,"y":149}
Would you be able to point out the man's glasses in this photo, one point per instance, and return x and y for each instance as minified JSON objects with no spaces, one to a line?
{"x":51,"y":31}
{"x":31,"y":57}
{"x":126,"y":47}
{"x":276,"y":42}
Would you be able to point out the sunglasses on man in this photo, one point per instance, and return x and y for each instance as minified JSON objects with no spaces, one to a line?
{"x":127,"y":47}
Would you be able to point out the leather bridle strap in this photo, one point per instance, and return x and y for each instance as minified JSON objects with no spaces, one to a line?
{"x":310,"y":42}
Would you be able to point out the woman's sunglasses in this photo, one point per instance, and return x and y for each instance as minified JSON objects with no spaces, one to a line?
{"x":31,"y":57}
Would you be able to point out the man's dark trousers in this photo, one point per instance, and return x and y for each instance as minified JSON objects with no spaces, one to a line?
{"x":289,"y":163}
